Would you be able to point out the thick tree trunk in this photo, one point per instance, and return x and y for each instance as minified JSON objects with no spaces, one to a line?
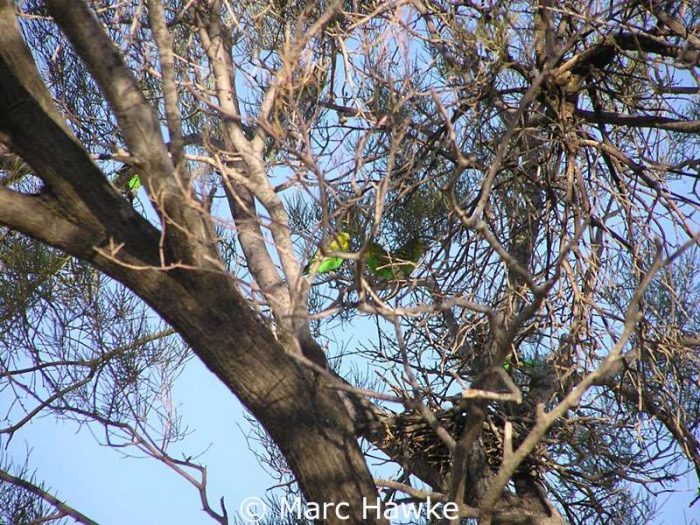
{"x":309,"y":423}
{"x":79,"y":213}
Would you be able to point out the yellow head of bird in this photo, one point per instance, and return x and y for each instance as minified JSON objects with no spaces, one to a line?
{"x":341,"y":242}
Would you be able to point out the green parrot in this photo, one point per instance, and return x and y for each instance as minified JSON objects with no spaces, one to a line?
{"x":128,"y":182}
{"x":394,"y":266}
{"x":379,"y":261}
{"x":524,"y":363}
{"x":325,"y":264}
{"x":408,"y":256}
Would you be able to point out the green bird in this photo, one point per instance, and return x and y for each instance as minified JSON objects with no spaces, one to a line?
{"x":394,"y":266}
{"x":324,"y":264}
{"x":379,"y":261}
{"x":528,"y":365}
{"x":128,"y":182}
{"x":409,"y":255}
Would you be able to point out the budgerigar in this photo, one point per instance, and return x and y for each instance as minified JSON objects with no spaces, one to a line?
{"x":408,"y":256}
{"x":394,"y":266}
{"x":379,"y":261}
{"x":128,"y":182}
{"x":326,"y":263}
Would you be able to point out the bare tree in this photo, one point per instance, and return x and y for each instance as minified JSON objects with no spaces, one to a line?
{"x":508,"y":191}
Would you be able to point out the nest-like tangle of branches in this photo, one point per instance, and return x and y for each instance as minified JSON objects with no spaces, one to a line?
{"x":412,"y":437}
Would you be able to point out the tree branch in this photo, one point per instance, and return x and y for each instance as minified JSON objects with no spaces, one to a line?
{"x":65,"y":509}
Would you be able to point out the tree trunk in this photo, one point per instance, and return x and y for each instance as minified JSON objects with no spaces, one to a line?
{"x":78,"y":212}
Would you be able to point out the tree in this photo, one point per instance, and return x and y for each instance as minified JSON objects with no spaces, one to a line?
{"x":540,"y":362}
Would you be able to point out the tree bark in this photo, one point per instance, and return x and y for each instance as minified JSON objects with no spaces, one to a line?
{"x":78,"y":212}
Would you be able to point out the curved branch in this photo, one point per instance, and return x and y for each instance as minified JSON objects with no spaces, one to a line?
{"x":65,"y":509}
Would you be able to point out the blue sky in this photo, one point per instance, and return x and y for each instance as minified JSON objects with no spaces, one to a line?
{"x":110,"y":488}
